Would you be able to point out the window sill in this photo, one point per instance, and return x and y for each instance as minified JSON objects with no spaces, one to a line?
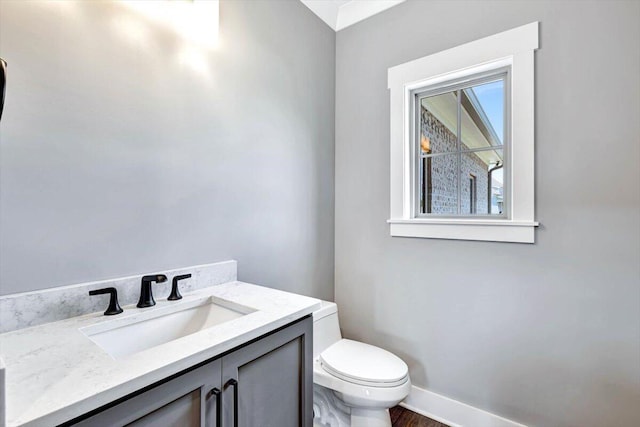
{"x":465,"y":229}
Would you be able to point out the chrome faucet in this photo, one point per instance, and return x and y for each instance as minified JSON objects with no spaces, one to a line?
{"x":146,"y":295}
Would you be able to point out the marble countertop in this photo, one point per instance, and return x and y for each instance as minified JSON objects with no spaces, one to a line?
{"x":55,"y":373}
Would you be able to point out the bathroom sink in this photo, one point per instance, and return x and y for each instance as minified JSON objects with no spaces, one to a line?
{"x":157,"y":326}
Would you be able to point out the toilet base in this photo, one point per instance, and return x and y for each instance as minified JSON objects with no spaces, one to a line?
{"x":330,"y":411}
{"x":370,"y":417}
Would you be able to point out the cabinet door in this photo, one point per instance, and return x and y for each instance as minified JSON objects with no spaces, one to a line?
{"x":189,"y":400}
{"x":269,"y":383}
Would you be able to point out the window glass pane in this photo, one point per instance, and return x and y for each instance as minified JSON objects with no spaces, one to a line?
{"x":482,"y":118}
{"x":460,"y":155}
{"x":439,"y":123}
{"x":477,"y":170}
{"x":439,"y":192}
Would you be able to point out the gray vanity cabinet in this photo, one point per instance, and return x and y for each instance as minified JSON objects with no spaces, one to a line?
{"x":265,"y":383}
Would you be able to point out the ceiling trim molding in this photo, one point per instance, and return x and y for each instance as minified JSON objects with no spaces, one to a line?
{"x":339,"y":14}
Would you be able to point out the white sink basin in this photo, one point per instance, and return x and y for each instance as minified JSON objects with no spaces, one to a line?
{"x":157,"y":326}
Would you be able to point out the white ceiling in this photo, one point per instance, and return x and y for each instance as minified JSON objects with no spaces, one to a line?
{"x":339,"y":14}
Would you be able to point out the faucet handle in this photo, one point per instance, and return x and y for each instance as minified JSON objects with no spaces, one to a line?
{"x":175,"y":293}
{"x":114,"y":307}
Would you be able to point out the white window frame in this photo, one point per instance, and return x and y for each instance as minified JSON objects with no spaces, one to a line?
{"x":513,"y":48}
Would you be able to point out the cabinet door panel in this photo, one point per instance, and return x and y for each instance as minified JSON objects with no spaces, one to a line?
{"x":184,"y":411}
{"x":183,"y":401}
{"x":273,"y":378}
{"x":265,"y":388}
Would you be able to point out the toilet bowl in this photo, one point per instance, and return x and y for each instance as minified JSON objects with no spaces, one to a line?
{"x":355,"y":383}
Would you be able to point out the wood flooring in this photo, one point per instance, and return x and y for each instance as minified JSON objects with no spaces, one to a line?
{"x":401,"y":417}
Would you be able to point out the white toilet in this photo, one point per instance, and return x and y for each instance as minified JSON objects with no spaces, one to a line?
{"x":355,"y":384}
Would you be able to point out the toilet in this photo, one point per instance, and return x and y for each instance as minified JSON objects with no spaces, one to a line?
{"x":355,"y":383}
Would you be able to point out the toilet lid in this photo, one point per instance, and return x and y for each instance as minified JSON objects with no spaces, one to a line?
{"x":362,"y":363}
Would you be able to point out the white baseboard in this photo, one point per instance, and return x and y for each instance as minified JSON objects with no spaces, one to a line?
{"x":451,"y":412}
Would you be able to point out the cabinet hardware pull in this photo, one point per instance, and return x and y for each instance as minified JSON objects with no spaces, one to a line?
{"x":233,"y":383}
{"x":218,"y":394}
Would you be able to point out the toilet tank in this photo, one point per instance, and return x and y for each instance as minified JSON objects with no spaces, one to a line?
{"x":326,"y":327}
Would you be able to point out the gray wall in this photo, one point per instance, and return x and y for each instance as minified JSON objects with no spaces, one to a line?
{"x":117,"y":157}
{"x":546,"y":334}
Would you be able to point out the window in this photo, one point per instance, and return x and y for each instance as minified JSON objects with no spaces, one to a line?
{"x":461,"y":128}
{"x":462,"y":141}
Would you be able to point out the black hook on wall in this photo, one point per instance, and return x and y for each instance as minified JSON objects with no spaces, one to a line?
{"x":3,"y":81}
